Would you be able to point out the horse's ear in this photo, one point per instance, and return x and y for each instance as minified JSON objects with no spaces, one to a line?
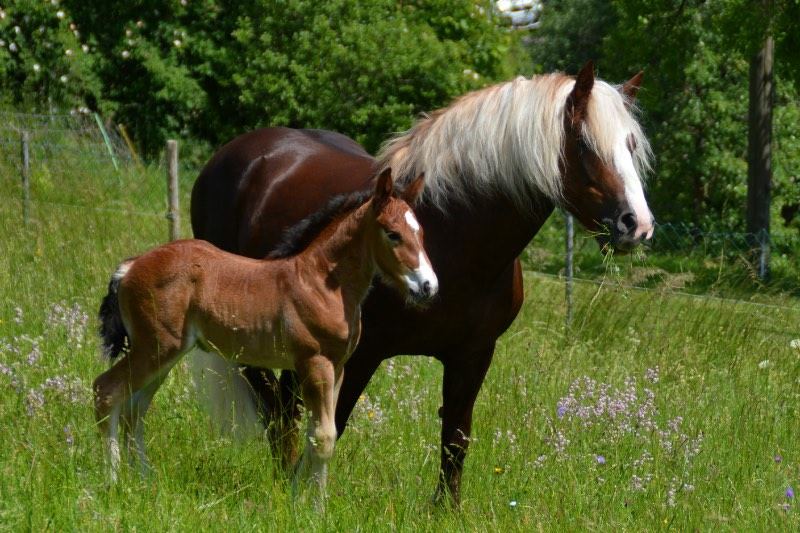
{"x":631,"y":87}
{"x":383,"y":189}
{"x":414,"y":189}
{"x":578,"y":99}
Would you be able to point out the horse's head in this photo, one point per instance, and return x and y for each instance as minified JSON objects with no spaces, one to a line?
{"x":603,"y":152}
{"x":397,"y":240}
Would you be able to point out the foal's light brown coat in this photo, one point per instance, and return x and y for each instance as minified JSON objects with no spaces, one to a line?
{"x":301,"y":313}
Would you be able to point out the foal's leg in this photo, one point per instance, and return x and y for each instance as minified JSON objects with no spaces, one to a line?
{"x":118,"y":384}
{"x":137,"y":409}
{"x":318,"y":381}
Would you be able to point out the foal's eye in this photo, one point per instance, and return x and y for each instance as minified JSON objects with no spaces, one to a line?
{"x":394,"y":236}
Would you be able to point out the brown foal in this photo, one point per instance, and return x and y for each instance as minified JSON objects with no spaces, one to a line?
{"x":301,"y":312}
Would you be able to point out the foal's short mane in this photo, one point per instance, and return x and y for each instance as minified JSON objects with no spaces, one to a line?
{"x":296,"y":238}
{"x":509,"y":137}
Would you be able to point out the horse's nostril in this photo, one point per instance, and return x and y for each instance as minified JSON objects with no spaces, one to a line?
{"x":627,"y":222}
{"x":426,"y":288}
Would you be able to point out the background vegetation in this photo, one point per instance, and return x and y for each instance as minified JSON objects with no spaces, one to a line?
{"x":205,"y":71}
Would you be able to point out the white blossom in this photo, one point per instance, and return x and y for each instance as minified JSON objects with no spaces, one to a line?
{"x":85,"y":48}
{"x":12,"y":47}
{"x":60,"y":14}
{"x":763,"y":365}
{"x":177,"y":43}
{"x":36,"y":67}
{"x":125,"y":54}
{"x":63,"y":78}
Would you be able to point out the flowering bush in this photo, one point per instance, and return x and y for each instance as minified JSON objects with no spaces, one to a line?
{"x":44,"y":58}
{"x":212,"y":69}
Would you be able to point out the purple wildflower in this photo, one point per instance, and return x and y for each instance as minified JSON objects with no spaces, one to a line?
{"x":789,"y":493}
{"x":778,"y":458}
{"x":600,"y":460}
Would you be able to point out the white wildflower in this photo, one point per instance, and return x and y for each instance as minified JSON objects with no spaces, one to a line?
{"x":85,"y":48}
{"x":177,"y":43}
{"x":12,"y":47}
{"x":125,"y":54}
{"x":763,"y":365}
{"x":60,"y":14}
{"x":68,"y":52}
{"x":794,"y":343}
{"x":63,"y":78}
{"x":36,"y":67}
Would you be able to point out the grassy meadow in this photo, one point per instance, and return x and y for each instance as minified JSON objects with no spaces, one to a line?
{"x":653,"y":411}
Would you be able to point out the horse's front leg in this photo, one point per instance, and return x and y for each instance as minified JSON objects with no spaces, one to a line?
{"x":463,"y":377}
{"x":319,"y":381}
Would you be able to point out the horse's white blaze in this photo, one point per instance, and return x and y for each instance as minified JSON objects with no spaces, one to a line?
{"x":634,"y":193}
{"x":422,"y":275}
{"x":412,"y":221}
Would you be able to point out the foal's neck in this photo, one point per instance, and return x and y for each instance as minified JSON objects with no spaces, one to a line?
{"x":344,"y":252}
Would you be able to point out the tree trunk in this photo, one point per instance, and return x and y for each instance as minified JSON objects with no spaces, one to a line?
{"x":759,"y":150}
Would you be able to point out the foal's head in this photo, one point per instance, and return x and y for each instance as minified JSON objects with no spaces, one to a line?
{"x":397,"y":240}
{"x":603,"y":151}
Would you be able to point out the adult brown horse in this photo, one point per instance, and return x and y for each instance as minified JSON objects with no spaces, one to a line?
{"x":496,"y":161}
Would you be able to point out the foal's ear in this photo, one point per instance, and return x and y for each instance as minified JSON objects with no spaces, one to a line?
{"x":383,"y":189}
{"x":578,"y":99}
{"x":631,"y":87}
{"x":414,"y":189}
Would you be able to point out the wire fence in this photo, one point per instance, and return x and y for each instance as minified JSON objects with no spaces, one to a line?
{"x":81,"y":162}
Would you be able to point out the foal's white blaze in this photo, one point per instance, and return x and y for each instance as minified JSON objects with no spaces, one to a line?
{"x":634,"y":193}
{"x":412,"y":221}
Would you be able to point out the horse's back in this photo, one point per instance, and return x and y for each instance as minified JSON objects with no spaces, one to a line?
{"x":267,"y":180}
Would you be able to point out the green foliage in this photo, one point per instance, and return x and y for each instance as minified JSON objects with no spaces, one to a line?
{"x":44,"y":60}
{"x":209,"y":70}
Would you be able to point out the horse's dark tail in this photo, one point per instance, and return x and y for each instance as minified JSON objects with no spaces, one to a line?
{"x":112,"y":330}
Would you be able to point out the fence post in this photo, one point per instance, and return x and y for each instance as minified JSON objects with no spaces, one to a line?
{"x":173,"y":212}
{"x":26,"y":177}
{"x":106,"y":140}
{"x":568,"y":268}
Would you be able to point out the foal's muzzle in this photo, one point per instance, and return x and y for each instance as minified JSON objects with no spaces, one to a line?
{"x":422,"y":285}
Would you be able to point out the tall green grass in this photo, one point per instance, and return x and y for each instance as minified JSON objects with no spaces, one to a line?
{"x":536,"y":462}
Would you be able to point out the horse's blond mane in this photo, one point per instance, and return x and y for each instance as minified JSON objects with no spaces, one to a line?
{"x":508,"y":137}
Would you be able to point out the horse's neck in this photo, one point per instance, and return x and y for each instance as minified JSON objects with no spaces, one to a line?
{"x":345,"y":254}
{"x":481,"y":239}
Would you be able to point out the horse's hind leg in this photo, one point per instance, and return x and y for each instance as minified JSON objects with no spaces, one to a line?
{"x":318,"y":381}
{"x":136,"y":410}
{"x":114,"y":387}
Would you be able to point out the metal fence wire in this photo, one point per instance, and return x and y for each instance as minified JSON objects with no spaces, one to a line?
{"x":81,"y":137}
{"x":77,"y":161}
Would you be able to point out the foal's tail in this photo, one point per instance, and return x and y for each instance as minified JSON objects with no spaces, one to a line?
{"x":112,"y":330}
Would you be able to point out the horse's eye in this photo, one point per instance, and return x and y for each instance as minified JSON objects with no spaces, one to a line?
{"x":394,"y":236}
